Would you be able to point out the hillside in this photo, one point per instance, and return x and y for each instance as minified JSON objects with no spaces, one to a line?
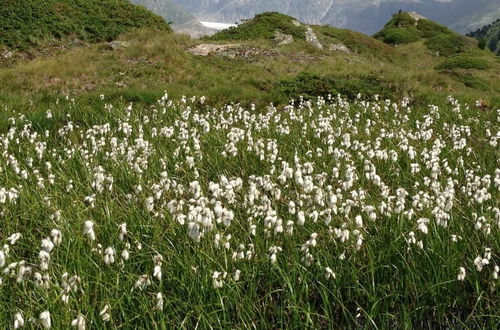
{"x":247,"y":64}
{"x":27,"y":23}
{"x":490,"y":34}
{"x":460,"y":15}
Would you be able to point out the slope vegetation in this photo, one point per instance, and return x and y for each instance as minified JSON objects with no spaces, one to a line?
{"x":489,"y":35}
{"x":26,"y":23}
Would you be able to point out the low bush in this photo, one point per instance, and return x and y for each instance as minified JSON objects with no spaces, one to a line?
{"x":447,"y":45}
{"x":462,"y":61}
{"x":310,"y":86}
{"x":397,"y":36}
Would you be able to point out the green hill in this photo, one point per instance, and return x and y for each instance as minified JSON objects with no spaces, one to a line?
{"x":489,"y":36}
{"x":26,"y":23}
{"x":251,"y":68}
{"x":262,"y":26}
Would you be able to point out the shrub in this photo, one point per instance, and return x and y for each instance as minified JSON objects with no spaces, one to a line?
{"x":429,"y":29}
{"x":311,"y":86}
{"x":463,"y":61}
{"x":24,"y":23}
{"x":397,"y":36}
{"x":471,"y":81}
{"x":447,"y":45}
{"x":482,"y":43}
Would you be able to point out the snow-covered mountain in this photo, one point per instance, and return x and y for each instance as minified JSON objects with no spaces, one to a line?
{"x":362,"y":15}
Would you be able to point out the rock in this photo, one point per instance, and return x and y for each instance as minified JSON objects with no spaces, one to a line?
{"x":7,"y":54}
{"x":312,"y":39}
{"x":296,"y":23}
{"x":282,"y":39}
{"x":208,"y":49}
{"x":339,"y":47}
{"x":416,"y":16}
{"x":115,"y":45}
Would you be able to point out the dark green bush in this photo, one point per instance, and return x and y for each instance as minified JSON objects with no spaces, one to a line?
{"x":397,"y":36}
{"x":429,"y":29}
{"x":482,"y":43}
{"x":311,"y":86}
{"x":262,"y":26}
{"x":447,"y":45}
{"x":471,"y":81}
{"x":24,"y":23}
{"x":463,"y":61}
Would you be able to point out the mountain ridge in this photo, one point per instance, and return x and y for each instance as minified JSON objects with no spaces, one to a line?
{"x":460,"y":15}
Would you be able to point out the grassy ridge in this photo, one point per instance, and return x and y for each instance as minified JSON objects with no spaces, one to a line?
{"x":262,"y":26}
{"x":25,"y":23}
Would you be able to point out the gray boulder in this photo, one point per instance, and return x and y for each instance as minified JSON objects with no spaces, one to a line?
{"x":312,"y":39}
{"x":281,"y":39}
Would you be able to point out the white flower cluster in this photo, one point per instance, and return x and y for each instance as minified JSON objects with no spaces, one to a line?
{"x":313,"y":184}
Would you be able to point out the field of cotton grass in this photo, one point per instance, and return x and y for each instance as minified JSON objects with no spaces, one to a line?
{"x":326,"y":214}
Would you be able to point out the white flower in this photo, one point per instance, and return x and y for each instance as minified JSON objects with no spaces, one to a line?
{"x":359,"y":221}
{"x":56,"y":236}
{"x":422,"y":225}
{"x":142,"y":282}
{"x":123,"y":231}
{"x":44,"y":260}
{"x":301,"y":218}
{"x":329,"y":273}
{"x":109,"y":256}
{"x":157,"y":272}
{"x":159,"y":301}
{"x":217,"y":281}
{"x":2,"y":258}
{"x":480,"y":263}
{"x":237,"y":275}
{"x":14,"y":238}
{"x":125,"y":254}
{"x":79,"y":322}
{"x":496,"y":270}
{"x":149,"y":204}
{"x":18,"y":321}
{"x":89,"y":230}
{"x":45,"y":319}
{"x":461,"y":274}
{"x":105,"y":313}
{"x":47,"y":245}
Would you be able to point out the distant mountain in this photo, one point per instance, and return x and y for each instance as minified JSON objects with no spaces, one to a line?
{"x":367,"y":16}
{"x":167,"y":9}
{"x":491,"y":35}
{"x":182,"y":21}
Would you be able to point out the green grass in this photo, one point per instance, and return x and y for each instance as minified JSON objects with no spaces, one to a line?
{"x":386,"y":283}
{"x":92,"y":116}
{"x":28,"y":23}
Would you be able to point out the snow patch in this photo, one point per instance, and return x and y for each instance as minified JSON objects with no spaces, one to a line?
{"x":217,"y":26}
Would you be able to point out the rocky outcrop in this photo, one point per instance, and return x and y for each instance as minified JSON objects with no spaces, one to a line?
{"x":115,"y":45}
{"x":281,"y":39}
{"x":312,"y":39}
{"x":339,"y":47}
{"x":232,"y":51}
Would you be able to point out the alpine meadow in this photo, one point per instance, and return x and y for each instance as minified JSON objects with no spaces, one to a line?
{"x":274,"y":174}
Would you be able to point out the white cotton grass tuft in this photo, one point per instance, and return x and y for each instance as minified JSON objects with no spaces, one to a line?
{"x":45,"y":319}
